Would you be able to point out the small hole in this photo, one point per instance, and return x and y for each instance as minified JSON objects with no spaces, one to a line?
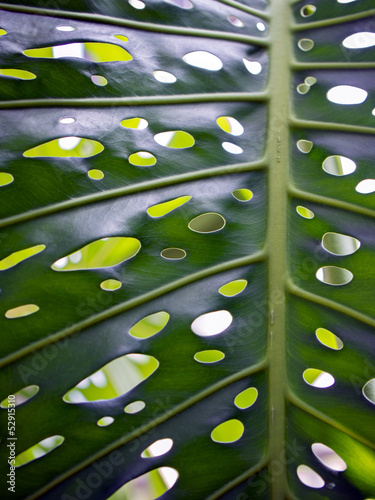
{"x":142,"y":159}
{"x":333,"y":275}
{"x":305,"y":44}
{"x":66,"y":28}
{"x":309,"y":477}
{"x":253,"y":67}
{"x":329,"y":339}
{"x":305,"y":212}
{"x":368,"y":390}
{"x":67,"y":120}
{"x":5,"y":179}
{"x":302,"y":88}
{"x":308,"y":10}
{"x":38,"y":450}
{"x":158,"y":448}
{"x":304,"y":146}
{"x":209,"y":356}
{"x":232,"y":148}
{"x":261,"y":26}
{"x":21,"y":311}
{"x":340,"y":244}
{"x":235,"y":21}
{"x":338,"y":165}
{"x":310,"y":80}
{"x":2,"y":32}
{"x":176,"y":139}
{"x":233,"y":288}
{"x":95,"y":174}
{"x":20,"y":397}
{"x":150,"y":325}
{"x":105,"y":421}
{"x":173,"y":253}
{"x":164,"y":76}
{"x":134,"y":407}
{"x":242,"y":194}
{"x":137,"y":4}
{"x":19,"y":74}
{"x":99,"y":80}
{"x":15,"y":258}
{"x":212,"y":323}
{"x":165,"y":208}
{"x":346,"y":1}
{"x":360,"y":40}
{"x":230,"y":125}
{"x":182,"y":4}
{"x":328,"y":457}
{"x":228,"y":432}
{"x":366,"y":186}
{"x":110,"y":285}
{"x":346,"y":94}
{"x":164,"y":477}
{"x":123,"y":38}
{"x":135,"y":123}
{"x":318,"y":378}
{"x":204,"y":60}
{"x":209,"y":222}
{"x":246,"y":398}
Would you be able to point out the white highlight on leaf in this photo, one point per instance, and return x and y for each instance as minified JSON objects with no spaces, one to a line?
{"x":99,"y":379}
{"x":346,"y":94}
{"x":158,"y":448}
{"x":366,"y":186}
{"x":212,"y":323}
{"x":359,"y":40}
{"x":68,"y":143}
{"x":204,"y":60}
{"x":69,"y":50}
{"x":253,"y":67}
{"x":164,"y":76}
{"x":232,"y":148}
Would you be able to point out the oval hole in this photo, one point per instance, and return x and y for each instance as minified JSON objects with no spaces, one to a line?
{"x":232,"y":148}
{"x":328,"y":457}
{"x":253,"y":67}
{"x":164,"y":76}
{"x":2,"y":32}
{"x":318,"y":378}
{"x":173,"y":253}
{"x":142,"y":159}
{"x":360,"y":40}
{"x":150,"y":325}
{"x":21,"y":311}
{"x":105,"y":421}
{"x":305,"y":44}
{"x":367,"y":186}
{"x":19,"y":74}
{"x":38,"y":450}
{"x":261,"y":26}
{"x":305,"y":212}
{"x":340,"y":244}
{"x":5,"y":179}
{"x":230,"y":125}
{"x":304,"y":146}
{"x":308,"y":10}
{"x":309,"y":477}
{"x":165,"y":208}
{"x":135,"y":123}
{"x":228,"y":432}
{"x":66,"y":120}
{"x":333,"y":275}
{"x":158,"y":448}
{"x":339,"y":165}
{"x":233,"y":288}
{"x":346,"y":94}
{"x":246,"y":398}
{"x":212,"y":323}
{"x":98,"y":52}
{"x":236,"y":21}
{"x":66,"y":28}
{"x":368,"y":390}
{"x":310,"y":80}
{"x":175,"y":139}
{"x":106,"y":252}
{"x":329,"y":339}
{"x":207,"y":223}
{"x":209,"y":356}
{"x":137,"y":4}
{"x":20,"y":397}
{"x":242,"y":194}
{"x":15,"y":258}
{"x":99,"y":80}
{"x":204,"y":60}
{"x":182,"y":4}
{"x":110,"y":285}
{"x":66,"y":147}
{"x":95,"y":174}
{"x":164,"y":477}
{"x":135,"y":407}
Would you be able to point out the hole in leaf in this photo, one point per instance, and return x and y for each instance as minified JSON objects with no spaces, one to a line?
{"x":125,"y":372}
{"x":20,"y":397}
{"x":360,"y":40}
{"x":2,"y":32}
{"x":303,"y":88}
{"x":346,"y":94}
{"x":235,"y":21}
{"x":66,"y":147}
{"x":99,"y":80}
{"x":209,"y":222}
{"x":123,"y":38}
{"x":66,"y":28}
{"x":246,"y":398}
{"x":305,"y":44}
{"x":204,"y":60}
{"x":165,"y":208}
{"x":212,"y":323}
{"x":67,"y":120}
{"x":230,"y":125}
{"x":105,"y":421}
{"x":164,"y":76}
{"x":136,"y":123}
{"x":242,"y":194}
{"x":308,"y":10}
{"x":182,"y":4}
{"x":232,"y":148}
{"x":228,"y":432}
{"x":333,"y":275}
{"x":95,"y":174}
{"x":329,"y":339}
{"x":176,"y":139}
{"x":253,"y":67}
{"x":150,"y":325}
{"x":38,"y":450}
{"x":261,"y":26}
{"x":91,"y":51}
{"x":164,"y":477}
{"x":20,"y":74}
{"x":328,"y":457}
{"x":21,"y":311}
{"x":339,"y":165}
{"x":106,"y":252}
{"x":209,"y":356}
{"x":340,"y":244}
{"x":173,"y":253}
{"x":304,"y":146}
{"x":137,"y":4}
{"x":305,"y":212}
{"x":310,"y":80}
{"x":134,"y":407}
{"x":16,"y":257}
{"x":142,"y":159}
{"x":318,"y":378}
{"x":346,"y":1}
{"x":366,"y":186}
{"x":5,"y":179}
{"x":110,"y":285}
{"x":233,"y":288}
{"x":309,"y":477}
{"x":368,"y":390}
{"x":158,"y":448}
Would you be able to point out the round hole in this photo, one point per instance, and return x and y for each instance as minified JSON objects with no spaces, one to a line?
{"x":164,"y":76}
{"x":305,"y":44}
{"x":209,"y":356}
{"x":95,"y":174}
{"x":305,"y":212}
{"x":309,"y":477}
{"x":209,"y":222}
{"x":105,"y":421}
{"x":99,"y":80}
{"x":367,"y":186}
{"x":304,"y":146}
{"x":142,"y":159}
{"x":246,"y":398}
{"x":308,"y":10}
{"x":318,"y":378}
{"x":110,"y":285}
{"x":328,"y":457}
{"x":329,"y":339}
{"x":228,"y":432}
{"x":173,"y":253}
{"x":135,"y":407}
{"x":333,"y":275}
{"x":347,"y":95}
{"x":212,"y":323}
{"x":338,"y":165}
{"x":235,"y":21}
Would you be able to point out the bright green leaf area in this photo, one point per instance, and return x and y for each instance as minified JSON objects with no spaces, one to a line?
{"x":5,"y":179}
{"x":106,"y":252}
{"x":246,"y":398}
{"x":209,"y":356}
{"x":83,"y":148}
{"x":329,"y":339}
{"x":142,"y":159}
{"x":95,"y":174}
{"x":150,"y":325}
{"x":164,"y":208}
{"x":228,"y":432}
{"x":20,"y":74}
{"x":92,"y":51}
{"x":233,"y":288}
{"x":38,"y":450}
{"x":242,"y":194}
{"x":305,"y":212}
{"x":17,"y":257}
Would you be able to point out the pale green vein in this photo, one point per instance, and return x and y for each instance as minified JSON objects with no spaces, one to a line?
{"x":333,"y":21}
{"x":335,"y":127}
{"x":328,"y":420}
{"x":127,"y":23}
{"x":332,"y":202}
{"x":129,"y":304}
{"x":310,"y":66}
{"x":137,"y":101}
{"x":133,"y":188}
{"x":152,"y":424}
{"x":246,"y":8}
{"x":331,"y":304}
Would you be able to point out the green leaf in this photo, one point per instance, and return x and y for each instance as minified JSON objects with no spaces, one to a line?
{"x":187,"y":249}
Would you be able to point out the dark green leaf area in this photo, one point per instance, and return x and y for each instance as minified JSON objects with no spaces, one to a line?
{"x":351,"y":367}
{"x":325,"y":11}
{"x":308,"y":169}
{"x":355,"y":482}
{"x":70,"y":76}
{"x":308,"y":257}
